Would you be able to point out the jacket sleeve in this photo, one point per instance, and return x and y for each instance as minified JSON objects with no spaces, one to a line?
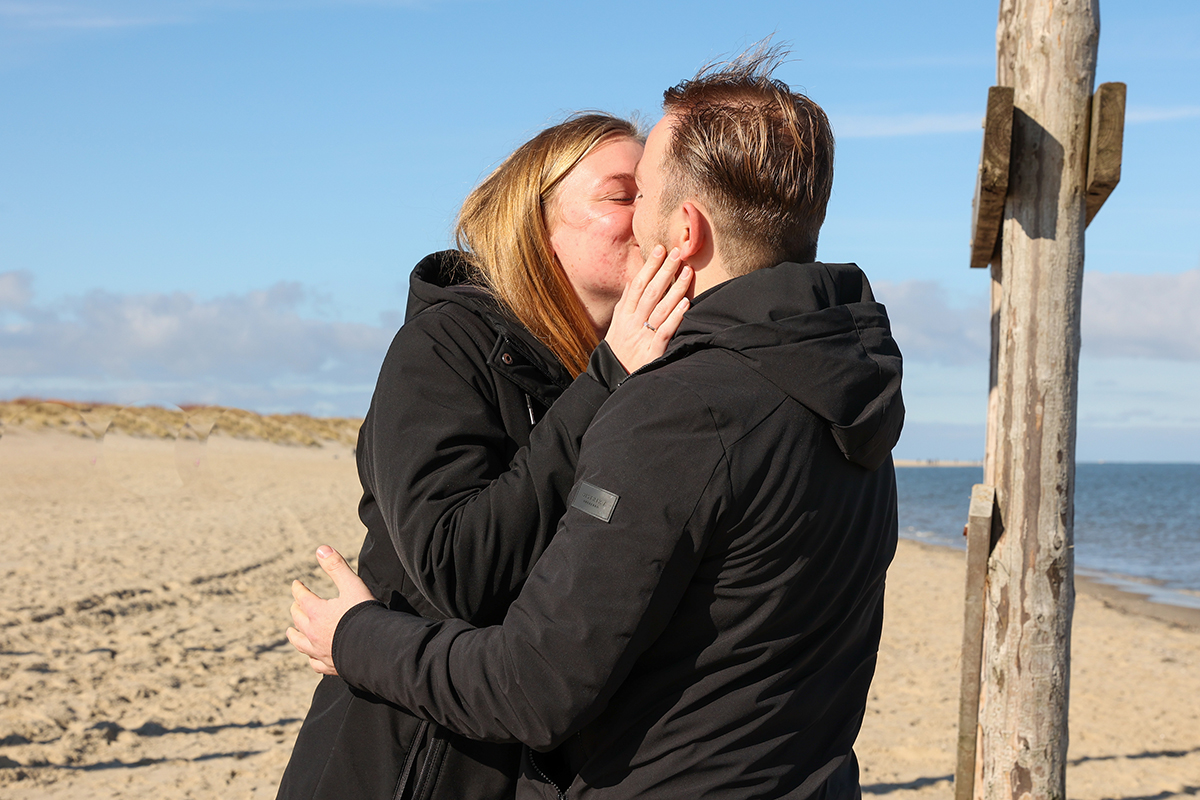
{"x":596,"y":600}
{"x":466,"y":514}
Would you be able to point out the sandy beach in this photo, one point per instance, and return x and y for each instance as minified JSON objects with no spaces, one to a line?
{"x":146,"y":592}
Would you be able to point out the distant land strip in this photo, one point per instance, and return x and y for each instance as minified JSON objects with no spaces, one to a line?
{"x":84,"y":418}
{"x":187,"y":421}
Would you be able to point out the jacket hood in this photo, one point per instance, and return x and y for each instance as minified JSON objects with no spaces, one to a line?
{"x":816,"y":332}
{"x":446,"y":277}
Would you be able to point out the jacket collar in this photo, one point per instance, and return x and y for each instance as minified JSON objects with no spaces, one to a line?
{"x":445,"y":277}
{"x":816,"y":332}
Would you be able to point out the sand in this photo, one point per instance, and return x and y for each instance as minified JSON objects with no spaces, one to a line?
{"x":146,"y":594}
{"x":1135,"y":689}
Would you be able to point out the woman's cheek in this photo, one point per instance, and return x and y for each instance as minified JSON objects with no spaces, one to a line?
{"x":620,"y":225}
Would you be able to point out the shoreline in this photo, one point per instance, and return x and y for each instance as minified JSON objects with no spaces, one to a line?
{"x":1110,"y":589}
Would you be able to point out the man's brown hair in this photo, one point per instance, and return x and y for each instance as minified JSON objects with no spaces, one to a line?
{"x":759,"y":155}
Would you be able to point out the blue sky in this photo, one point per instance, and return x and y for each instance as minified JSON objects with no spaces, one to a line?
{"x":220,"y":200}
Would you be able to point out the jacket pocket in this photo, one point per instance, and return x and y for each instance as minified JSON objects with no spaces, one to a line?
{"x":444,"y":766}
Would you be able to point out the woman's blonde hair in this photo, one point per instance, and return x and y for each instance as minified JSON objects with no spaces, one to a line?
{"x":502,"y":229}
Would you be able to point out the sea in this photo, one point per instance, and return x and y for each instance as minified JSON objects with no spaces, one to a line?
{"x":1137,"y":526}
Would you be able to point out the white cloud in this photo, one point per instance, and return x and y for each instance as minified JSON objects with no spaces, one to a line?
{"x":1142,"y":316}
{"x":869,"y":126}
{"x":107,"y":14}
{"x":255,"y":347}
{"x":1138,"y":381}
{"x":257,"y":350}
{"x":864,"y":126}
{"x":85,"y":15}
{"x":1161,"y":114}
{"x":911,"y":61}
{"x":14,"y":290}
{"x":1124,"y":316}
{"x":929,"y":328}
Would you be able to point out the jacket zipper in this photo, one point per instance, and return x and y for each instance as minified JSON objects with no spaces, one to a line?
{"x":410,"y":760}
{"x":529,"y":405}
{"x":432,"y":761}
{"x":533,"y":761}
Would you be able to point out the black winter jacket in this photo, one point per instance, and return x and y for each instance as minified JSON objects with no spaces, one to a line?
{"x":706,"y":621}
{"x":461,"y":494}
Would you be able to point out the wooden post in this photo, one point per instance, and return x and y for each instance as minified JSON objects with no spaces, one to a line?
{"x":979,"y":541}
{"x":1046,"y":51}
{"x":1106,"y":142}
{"x":991,"y":183}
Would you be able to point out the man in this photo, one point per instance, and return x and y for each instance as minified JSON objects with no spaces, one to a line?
{"x":706,"y":620}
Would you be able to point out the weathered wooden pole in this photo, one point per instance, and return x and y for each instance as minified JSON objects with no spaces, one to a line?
{"x":1046,"y":51}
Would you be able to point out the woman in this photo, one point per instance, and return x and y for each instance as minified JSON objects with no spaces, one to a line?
{"x":468,"y":451}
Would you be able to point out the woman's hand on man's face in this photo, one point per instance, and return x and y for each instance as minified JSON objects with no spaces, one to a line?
{"x":316,"y":619}
{"x":650,"y":310}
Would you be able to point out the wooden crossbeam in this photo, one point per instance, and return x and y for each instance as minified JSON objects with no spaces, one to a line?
{"x":979,"y":544}
{"x":991,"y":183}
{"x":1105,"y":145}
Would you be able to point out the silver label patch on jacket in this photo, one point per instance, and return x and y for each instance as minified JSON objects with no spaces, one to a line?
{"x":595,"y":501}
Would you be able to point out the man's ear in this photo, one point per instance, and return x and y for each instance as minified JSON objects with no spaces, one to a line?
{"x":696,"y":235}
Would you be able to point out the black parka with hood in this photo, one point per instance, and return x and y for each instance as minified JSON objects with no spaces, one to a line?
{"x":461,"y":494}
{"x":705,"y":623}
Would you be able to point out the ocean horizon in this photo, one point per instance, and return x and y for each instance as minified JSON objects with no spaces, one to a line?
{"x":1137,"y":525}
